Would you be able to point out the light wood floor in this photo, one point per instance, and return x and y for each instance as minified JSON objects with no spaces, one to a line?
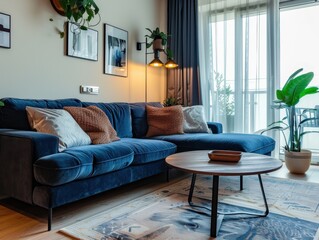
{"x":22,"y":221}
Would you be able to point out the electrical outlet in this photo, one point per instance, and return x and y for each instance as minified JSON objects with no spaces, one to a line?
{"x":89,"y":89}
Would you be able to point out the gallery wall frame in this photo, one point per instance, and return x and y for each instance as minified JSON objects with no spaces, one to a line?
{"x":115,"y":51}
{"x":82,"y":43}
{"x":5,"y":30}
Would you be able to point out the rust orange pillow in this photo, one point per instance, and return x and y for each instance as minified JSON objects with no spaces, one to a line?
{"x":95,"y":123}
{"x":164,"y":121}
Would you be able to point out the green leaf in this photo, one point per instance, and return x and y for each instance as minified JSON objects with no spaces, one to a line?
{"x":149,"y":30}
{"x":90,"y":13}
{"x":1,"y":104}
{"x":307,"y":91}
{"x":280,"y":95}
{"x":83,"y":28}
{"x":278,"y":128}
{"x":96,"y":8}
{"x":308,"y":120}
{"x":292,"y":76}
{"x":295,"y":87}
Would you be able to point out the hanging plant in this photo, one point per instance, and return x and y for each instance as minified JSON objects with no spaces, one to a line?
{"x":156,"y":35}
{"x":80,"y":12}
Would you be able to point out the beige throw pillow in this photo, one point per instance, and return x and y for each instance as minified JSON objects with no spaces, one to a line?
{"x":59,"y":123}
{"x":164,"y":121}
{"x":195,"y":120}
{"x":95,"y":123}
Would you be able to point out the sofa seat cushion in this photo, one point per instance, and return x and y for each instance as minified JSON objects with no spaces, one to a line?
{"x":228,"y":141}
{"x":148,"y":150}
{"x":81,"y":162}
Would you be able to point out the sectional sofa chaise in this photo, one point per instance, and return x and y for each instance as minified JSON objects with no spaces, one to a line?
{"x":34,"y":171}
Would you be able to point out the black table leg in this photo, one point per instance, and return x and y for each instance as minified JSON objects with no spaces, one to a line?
{"x":191,"y":190}
{"x":216,"y":216}
{"x":264,"y":196}
{"x":241,"y":182}
{"x":213,"y":226}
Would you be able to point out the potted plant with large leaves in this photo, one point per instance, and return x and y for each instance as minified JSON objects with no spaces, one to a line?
{"x":80,"y":12}
{"x":158,"y":39}
{"x":297,"y":159}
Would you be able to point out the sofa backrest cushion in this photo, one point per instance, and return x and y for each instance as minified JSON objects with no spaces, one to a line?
{"x":119,"y":115}
{"x":13,"y":114}
{"x":164,"y":121}
{"x":139,"y":120}
{"x":95,"y":123}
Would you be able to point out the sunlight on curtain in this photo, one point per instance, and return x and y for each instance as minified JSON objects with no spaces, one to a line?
{"x":233,"y":63}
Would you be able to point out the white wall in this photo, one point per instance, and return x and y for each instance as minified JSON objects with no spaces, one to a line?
{"x":36,"y":65}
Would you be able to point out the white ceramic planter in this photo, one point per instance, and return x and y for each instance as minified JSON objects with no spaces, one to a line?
{"x":298,"y":162}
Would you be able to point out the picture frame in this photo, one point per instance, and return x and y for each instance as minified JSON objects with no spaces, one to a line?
{"x":82,"y":43}
{"x":5,"y":30}
{"x":115,"y":51}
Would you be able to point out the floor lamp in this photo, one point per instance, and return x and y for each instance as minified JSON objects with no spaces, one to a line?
{"x":156,"y":62}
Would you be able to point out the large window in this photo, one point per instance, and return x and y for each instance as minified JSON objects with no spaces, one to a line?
{"x":299,"y":48}
{"x":237,"y":56}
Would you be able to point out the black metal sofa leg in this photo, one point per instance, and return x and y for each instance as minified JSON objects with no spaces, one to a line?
{"x":49,"y":219}
{"x":167,"y":174}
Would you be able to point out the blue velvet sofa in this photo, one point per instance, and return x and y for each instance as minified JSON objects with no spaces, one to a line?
{"x":34,"y":171}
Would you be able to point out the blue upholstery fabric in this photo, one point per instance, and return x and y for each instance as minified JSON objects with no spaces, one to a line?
{"x":139,"y":120}
{"x":148,"y":150}
{"x":216,"y":127}
{"x":46,"y":196}
{"x":81,"y":162}
{"x":225,"y":141}
{"x":119,"y":115}
{"x":43,"y":144}
{"x":13,"y":114}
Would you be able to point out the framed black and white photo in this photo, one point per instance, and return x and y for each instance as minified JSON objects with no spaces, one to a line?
{"x":115,"y":51}
{"x":82,"y":43}
{"x":5,"y":30}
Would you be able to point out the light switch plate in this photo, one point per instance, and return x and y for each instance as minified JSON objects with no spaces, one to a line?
{"x":89,"y":89}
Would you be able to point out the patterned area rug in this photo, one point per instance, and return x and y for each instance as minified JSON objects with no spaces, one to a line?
{"x":165,"y":213}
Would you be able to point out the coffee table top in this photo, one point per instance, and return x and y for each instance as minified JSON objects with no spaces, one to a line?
{"x":198,"y":162}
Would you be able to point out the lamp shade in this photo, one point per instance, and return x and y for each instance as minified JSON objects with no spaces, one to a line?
{"x":156,"y":63}
{"x":171,"y":64}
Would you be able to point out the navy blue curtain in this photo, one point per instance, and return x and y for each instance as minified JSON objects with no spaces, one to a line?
{"x":183,"y":82}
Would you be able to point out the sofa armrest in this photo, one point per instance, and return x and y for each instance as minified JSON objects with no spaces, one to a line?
{"x":18,"y":151}
{"x":216,"y":127}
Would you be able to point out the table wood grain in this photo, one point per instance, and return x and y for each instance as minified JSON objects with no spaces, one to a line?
{"x":198,"y":162}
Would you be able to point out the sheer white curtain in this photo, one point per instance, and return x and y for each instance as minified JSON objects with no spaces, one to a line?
{"x":239,"y":61}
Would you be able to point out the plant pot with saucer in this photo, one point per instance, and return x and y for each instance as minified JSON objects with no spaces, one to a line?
{"x":297,"y":159}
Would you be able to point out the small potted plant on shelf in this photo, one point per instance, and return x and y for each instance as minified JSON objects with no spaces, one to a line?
{"x":80,"y":12}
{"x":171,"y":101}
{"x":158,"y":39}
{"x":297,"y":159}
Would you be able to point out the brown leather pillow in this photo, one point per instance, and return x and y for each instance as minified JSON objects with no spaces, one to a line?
{"x":164,"y":121}
{"x":95,"y":123}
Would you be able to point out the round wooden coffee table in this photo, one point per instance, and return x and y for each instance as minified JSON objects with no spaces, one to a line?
{"x":197,"y":162}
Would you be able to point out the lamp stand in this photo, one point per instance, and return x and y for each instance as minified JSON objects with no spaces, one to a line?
{"x":145,"y":84}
